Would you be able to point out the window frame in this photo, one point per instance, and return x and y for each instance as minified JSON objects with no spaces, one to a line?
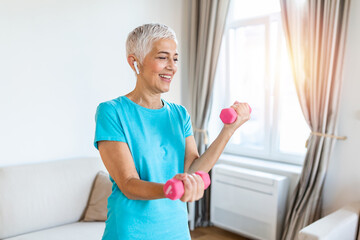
{"x":272,"y":135}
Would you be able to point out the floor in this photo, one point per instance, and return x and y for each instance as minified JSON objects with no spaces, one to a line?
{"x":214,"y":233}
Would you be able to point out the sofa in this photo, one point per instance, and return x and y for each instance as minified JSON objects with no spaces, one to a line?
{"x":342,"y":224}
{"x":50,"y":200}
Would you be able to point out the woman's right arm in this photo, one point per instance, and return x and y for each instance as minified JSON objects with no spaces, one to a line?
{"x":120,"y":164}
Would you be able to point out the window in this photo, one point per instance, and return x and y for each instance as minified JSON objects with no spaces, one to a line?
{"x":254,"y":67}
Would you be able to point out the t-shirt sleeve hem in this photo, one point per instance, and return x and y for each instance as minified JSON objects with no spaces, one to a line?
{"x":189,"y":134}
{"x":118,"y":139}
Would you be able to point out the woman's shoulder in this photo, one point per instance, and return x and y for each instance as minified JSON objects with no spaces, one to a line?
{"x":180,"y":109}
{"x":110,"y":105}
{"x":175,"y":106}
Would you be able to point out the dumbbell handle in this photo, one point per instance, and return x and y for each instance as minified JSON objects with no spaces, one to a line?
{"x":229,"y":115}
{"x":174,"y":188}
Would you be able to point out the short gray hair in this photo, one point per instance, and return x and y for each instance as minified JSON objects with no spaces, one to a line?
{"x":139,"y":41}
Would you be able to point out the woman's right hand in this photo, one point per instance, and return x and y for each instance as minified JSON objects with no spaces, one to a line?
{"x":193,"y":186}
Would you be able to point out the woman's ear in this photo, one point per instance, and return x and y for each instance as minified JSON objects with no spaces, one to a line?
{"x":133,"y":63}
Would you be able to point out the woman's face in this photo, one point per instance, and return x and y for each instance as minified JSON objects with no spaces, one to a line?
{"x":159,"y":66}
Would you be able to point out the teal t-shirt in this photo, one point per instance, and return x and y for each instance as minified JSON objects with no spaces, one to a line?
{"x":156,"y":139}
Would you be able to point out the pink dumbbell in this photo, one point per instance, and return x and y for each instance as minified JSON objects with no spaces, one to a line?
{"x":229,"y":115}
{"x":174,"y":188}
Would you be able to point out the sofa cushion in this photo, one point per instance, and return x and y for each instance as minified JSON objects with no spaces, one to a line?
{"x":97,"y":207}
{"x":43,"y":195}
{"x":341,"y":224}
{"x":74,"y":231}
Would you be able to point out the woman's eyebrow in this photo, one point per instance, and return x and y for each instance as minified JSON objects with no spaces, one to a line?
{"x":166,"y":53}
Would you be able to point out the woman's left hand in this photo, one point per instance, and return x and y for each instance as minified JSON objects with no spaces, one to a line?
{"x":193,"y":186}
{"x":243,"y":112}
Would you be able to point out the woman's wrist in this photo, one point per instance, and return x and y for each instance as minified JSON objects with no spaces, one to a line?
{"x":228,"y":129}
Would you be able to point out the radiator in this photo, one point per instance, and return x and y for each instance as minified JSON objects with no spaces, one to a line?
{"x":248,"y":202}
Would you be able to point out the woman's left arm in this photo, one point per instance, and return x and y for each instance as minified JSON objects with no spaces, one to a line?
{"x":194,"y":163}
{"x":205,"y":162}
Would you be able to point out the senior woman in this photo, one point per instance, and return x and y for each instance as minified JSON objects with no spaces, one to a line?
{"x":144,"y":141}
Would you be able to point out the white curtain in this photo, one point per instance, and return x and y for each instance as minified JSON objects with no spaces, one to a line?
{"x":315,"y":31}
{"x":207,"y":26}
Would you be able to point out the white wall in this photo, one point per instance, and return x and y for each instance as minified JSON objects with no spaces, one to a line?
{"x":58,"y":60}
{"x":342,"y":185}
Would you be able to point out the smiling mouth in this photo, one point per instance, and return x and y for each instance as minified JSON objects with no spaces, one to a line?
{"x":166,"y":78}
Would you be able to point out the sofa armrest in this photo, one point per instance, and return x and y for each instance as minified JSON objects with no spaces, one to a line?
{"x":341,"y":224}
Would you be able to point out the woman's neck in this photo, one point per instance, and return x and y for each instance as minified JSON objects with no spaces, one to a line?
{"x":145,"y":99}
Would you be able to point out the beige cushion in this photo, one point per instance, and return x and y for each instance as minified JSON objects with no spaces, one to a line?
{"x":97,"y":207}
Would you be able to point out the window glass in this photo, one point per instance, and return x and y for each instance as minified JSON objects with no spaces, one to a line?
{"x":246,"y":81}
{"x":254,"y":67}
{"x":244,"y":9}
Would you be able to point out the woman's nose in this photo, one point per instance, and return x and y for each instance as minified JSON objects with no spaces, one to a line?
{"x":171,"y":64}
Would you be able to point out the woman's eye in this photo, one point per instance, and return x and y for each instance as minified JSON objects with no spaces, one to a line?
{"x":164,"y":58}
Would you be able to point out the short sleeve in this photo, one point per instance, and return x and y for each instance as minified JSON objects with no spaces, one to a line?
{"x":187,"y":124}
{"x":108,"y":125}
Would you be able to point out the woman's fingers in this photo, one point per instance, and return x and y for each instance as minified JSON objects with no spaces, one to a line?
{"x":194,"y":184}
{"x":243,"y":115}
{"x":180,"y":176}
{"x":200,"y":187}
{"x":193,"y":187}
{"x":188,"y":188}
{"x":242,"y":109}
